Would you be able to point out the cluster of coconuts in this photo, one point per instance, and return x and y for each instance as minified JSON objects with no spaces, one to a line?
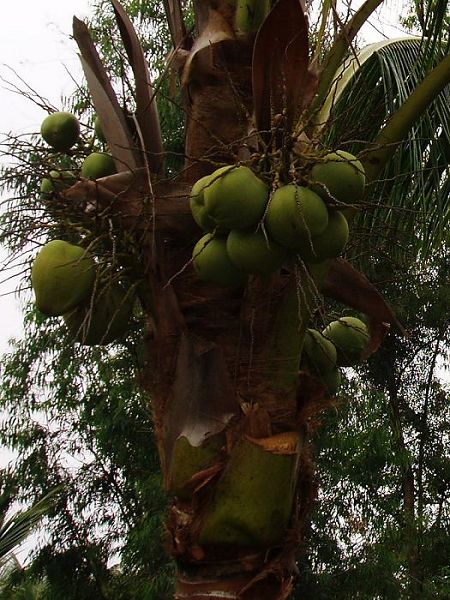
{"x":61,"y":131}
{"x":249,"y":231}
{"x":65,"y":281}
{"x":340,"y":344}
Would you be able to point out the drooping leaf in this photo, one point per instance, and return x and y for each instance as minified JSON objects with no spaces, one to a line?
{"x":109,"y":112}
{"x":409,"y":195}
{"x":349,"y":69}
{"x":340,"y":48}
{"x":146,"y":107}
{"x":280,"y":76}
{"x":347,"y":285}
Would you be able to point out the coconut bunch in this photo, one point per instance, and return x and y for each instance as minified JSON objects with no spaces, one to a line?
{"x":250,"y":231}
{"x":62,"y":132}
{"x":66,"y":283}
{"x":341,"y":344}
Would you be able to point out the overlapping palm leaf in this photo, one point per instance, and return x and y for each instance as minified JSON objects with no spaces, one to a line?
{"x":409,"y":202}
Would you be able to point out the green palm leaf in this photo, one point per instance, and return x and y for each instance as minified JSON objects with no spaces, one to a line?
{"x":409,"y":205}
{"x":15,"y":530}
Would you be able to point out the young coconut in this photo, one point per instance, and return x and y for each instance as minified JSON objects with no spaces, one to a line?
{"x":98,"y":164}
{"x":60,"y":130}
{"x":62,"y":275}
{"x":212,"y":263}
{"x":320,"y":352}
{"x":99,"y":131}
{"x":332,"y":381}
{"x":340,"y":177}
{"x":102,"y":319}
{"x":236,"y":198}
{"x":57,"y":181}
{"x":197,"y":204}
{"x":328,"y":244}
{"x":350,"y":335}
{"x":295,"y":214}
{"x":253,"y":252}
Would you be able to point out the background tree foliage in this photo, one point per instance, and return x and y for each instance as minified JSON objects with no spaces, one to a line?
{"x":76,"y":417}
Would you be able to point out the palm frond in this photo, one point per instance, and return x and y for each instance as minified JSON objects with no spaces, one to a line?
{"x":15,"y":530}
{"x":408,"y":207}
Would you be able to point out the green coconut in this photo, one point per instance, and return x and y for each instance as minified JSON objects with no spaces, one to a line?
{"x":57,"y":181}
{"x":60,"y":130}
{"x":295,"y":214}
{"x":98,"y":164}
{"x":212,"y":263}
{"x":328,"y":244}
{"x":62,"y":276}
{"x":98,"y":130}
{"x":339,"y":176}
{"x":103,"y":318}
{"x":320,"y":352}
{"x":253,"y":252}
{"x":47,"y":186}
{"x":236,"y":198}
{"x":350,"y":335}
{"x":332,"y":381}
{"x":197,"y":204}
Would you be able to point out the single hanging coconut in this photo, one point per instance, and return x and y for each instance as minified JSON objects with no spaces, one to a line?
{"x":62,"y":275}
{"x":212,"y":263}
{"x":339,"y":177}
{"x":350,"y":335}
{"x":61,"y":130}
{"x":295,"y":215}
{"x":235,"y":197}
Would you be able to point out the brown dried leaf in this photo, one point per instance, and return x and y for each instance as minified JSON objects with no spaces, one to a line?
{"x":286,"y":443}
{"x":347,"y":285}
{"x":109,"y":112}
{"x":146,"y":109}
{"x":280,"y":64}
{"x":378,"y":331}
{"x":351,"y":287}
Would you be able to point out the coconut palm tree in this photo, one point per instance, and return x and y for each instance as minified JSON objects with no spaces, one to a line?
{"x":233,"y":410}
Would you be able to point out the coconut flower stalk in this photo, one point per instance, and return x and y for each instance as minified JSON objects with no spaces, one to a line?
{"x":233,"y":408}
